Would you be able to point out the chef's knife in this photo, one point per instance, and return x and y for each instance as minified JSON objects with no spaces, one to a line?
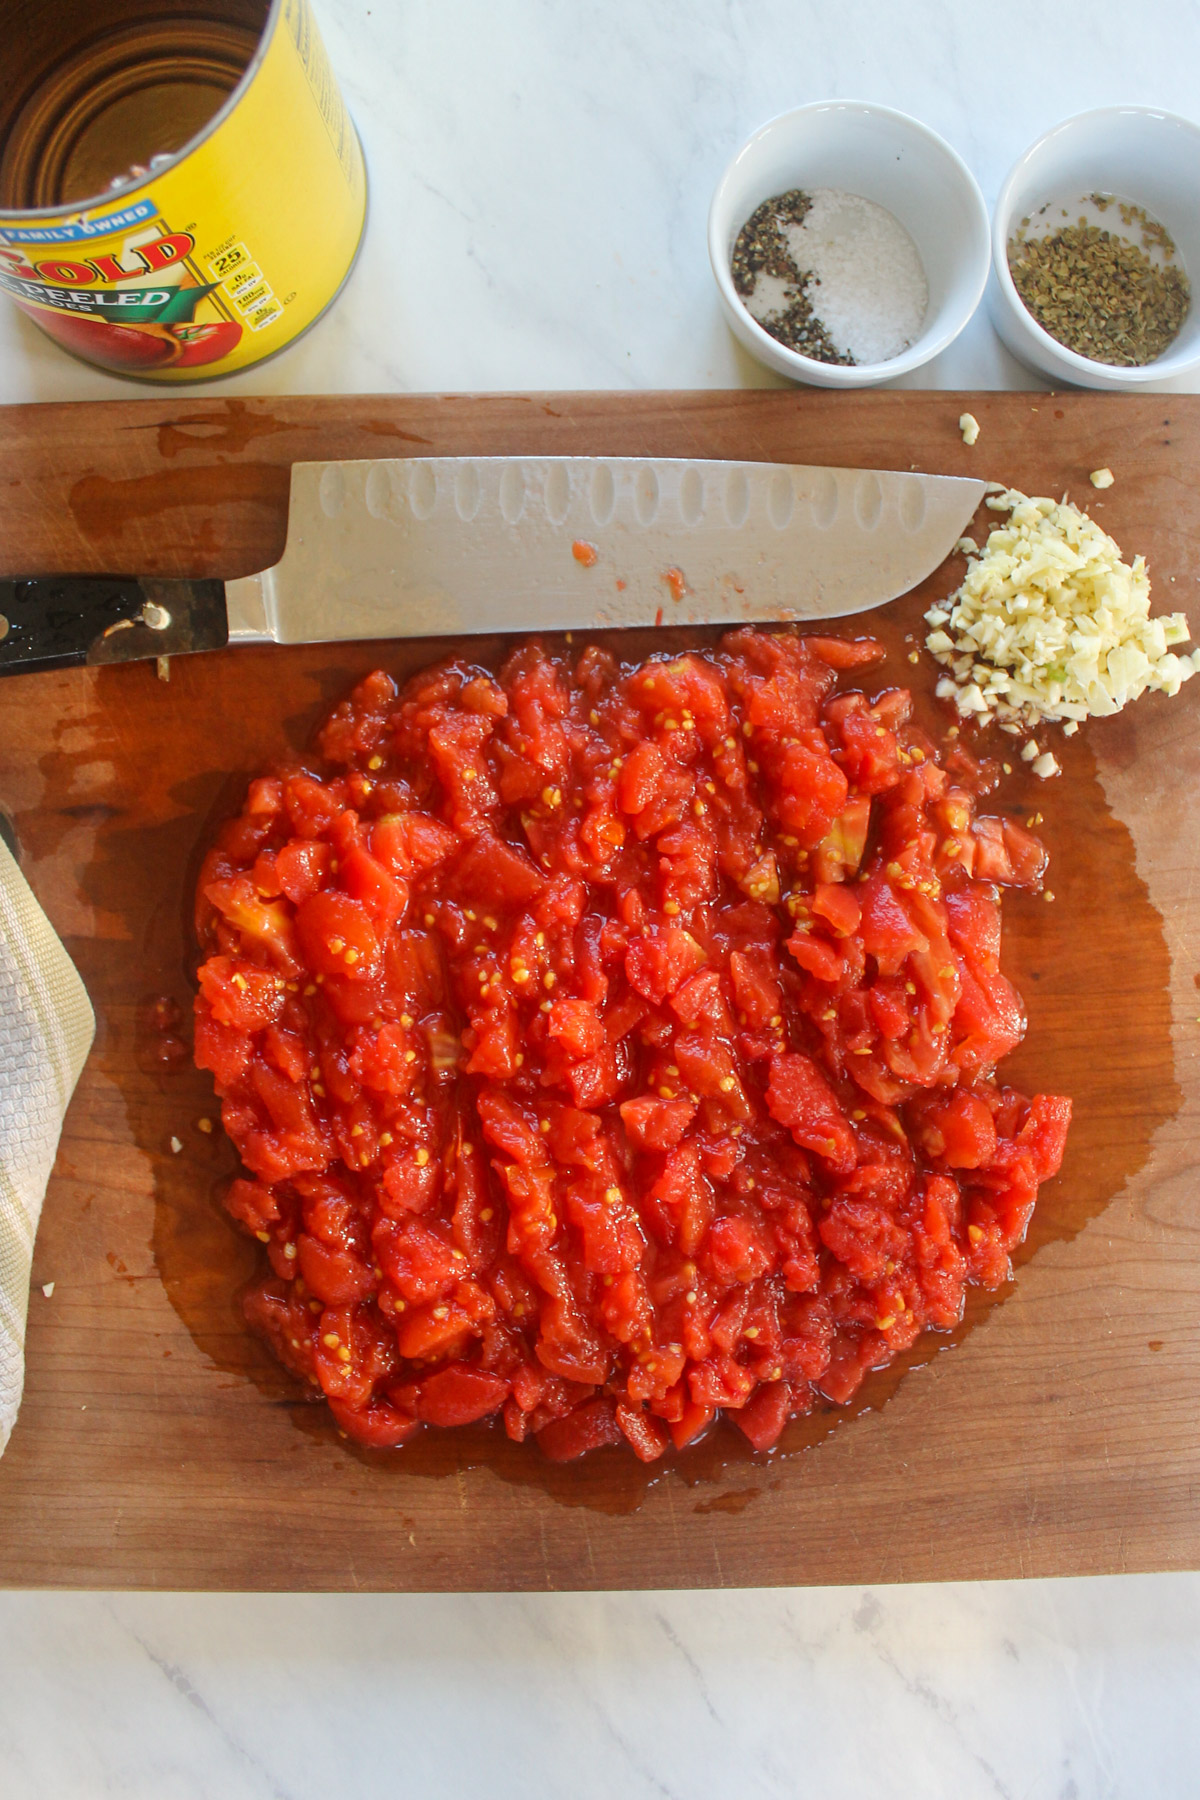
{"x":440,"y":545}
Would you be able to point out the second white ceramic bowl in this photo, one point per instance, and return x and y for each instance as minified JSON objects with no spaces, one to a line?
{"x":1141,"y":155}
{"x":883,"y":156}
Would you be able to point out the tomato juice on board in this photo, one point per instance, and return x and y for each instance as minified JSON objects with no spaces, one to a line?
{"x":609,"y":1048}
{"x":180,"y":197}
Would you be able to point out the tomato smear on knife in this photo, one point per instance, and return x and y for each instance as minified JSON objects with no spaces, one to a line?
{"x":611,"y":1048}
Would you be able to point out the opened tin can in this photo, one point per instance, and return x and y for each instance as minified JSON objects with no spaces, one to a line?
{"x":182,"y":191}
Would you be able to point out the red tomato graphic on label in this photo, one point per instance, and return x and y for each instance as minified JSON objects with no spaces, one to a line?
{"x":128,"y":349}
{"x":207,"y":343}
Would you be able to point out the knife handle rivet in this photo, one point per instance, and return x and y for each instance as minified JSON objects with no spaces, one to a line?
{"x":156,"y":617}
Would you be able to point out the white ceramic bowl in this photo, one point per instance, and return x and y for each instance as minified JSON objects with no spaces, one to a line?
{"x":883,"y":156}
{"x":1138,"y":154}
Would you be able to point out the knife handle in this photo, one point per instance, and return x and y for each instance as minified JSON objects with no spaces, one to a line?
{"x":55,"y":621}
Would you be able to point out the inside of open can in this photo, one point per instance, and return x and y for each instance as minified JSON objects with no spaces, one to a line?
{"x":100,"y":93}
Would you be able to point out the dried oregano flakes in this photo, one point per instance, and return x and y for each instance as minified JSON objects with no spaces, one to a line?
{"x":1099,"y":293}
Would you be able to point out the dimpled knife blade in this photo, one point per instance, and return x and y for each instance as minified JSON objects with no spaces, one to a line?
{"x":435,"y":546}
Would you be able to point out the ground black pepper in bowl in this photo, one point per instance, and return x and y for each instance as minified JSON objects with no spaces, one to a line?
{"x":762,"y":249}
{"x":1096,"y":291}
{"x":831,"y":275}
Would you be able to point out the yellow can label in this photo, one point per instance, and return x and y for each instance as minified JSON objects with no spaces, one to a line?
{"x":230,"y":252}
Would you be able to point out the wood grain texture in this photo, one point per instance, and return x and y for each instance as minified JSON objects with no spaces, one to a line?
{"x":159,"y":1446}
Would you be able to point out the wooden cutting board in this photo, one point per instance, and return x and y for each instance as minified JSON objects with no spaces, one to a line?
{"x":159,"y":1446}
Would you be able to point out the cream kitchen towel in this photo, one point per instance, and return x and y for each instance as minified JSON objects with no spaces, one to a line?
{"x":46,"y":1030}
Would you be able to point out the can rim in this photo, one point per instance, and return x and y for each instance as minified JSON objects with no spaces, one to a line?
{"x":123,"y":189}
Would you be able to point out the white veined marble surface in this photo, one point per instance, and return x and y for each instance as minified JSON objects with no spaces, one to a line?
{"x":1046,"y":1690}
{"x":540,"y":178}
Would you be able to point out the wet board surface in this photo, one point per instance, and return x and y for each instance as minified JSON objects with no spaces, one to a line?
{"x":1056,"y":1432}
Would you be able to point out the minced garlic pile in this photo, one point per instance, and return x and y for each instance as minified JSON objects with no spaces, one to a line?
{"x":1050,"y":624}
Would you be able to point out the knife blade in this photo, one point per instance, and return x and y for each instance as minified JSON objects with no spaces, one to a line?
{"x":438,"y":546}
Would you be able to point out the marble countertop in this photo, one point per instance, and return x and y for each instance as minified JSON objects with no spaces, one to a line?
{"x":1042,"y":1690}
{"x":540,"y":177}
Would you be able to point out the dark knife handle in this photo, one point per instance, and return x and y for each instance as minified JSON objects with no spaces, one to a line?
{"x":54,"y":621}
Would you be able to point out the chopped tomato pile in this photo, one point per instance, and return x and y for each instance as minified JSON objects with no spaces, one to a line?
{"x":610,"y":1048}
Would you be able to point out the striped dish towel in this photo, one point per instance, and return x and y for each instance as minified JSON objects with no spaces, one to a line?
{"x":46,"y":1030}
